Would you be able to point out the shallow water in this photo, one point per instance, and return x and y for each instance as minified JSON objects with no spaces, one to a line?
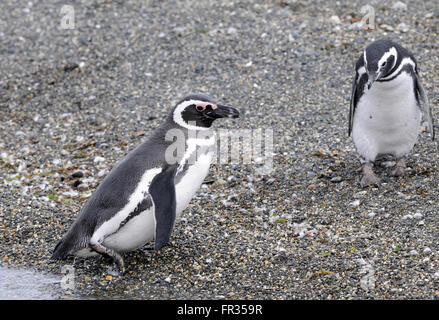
{"x":16,"y":284}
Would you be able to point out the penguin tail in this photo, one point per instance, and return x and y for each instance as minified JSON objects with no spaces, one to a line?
{"x":61,"y":251}
{"x":68,"y":244}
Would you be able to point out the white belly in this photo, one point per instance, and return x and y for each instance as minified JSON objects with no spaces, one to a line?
{"x":137,"y":232}
{"x":134,"y":234}
{"x":387,"y":119}
{"x":191,"y":182}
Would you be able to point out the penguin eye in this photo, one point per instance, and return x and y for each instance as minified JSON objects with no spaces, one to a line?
{"x":383,"y":64}
{"x":200,"y":108}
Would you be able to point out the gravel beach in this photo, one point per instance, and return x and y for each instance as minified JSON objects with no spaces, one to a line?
{"x":75,"y":101}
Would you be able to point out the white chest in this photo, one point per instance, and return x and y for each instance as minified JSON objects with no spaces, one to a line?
{"x":387,"y":118}
{"x":191,"y":181}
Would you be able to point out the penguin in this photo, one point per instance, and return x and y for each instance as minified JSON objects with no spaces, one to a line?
{"x":139,"y":200}
{"x":387,"y":103}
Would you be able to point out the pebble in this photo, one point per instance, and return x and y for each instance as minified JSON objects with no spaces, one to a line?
{"x":78,"y":174}
{"x":102,"y":173}
{"x":232,"y":31}
{"x":426,"y":250}
{"x":98,"y":159}
{"x":388,"y":164}
{"x":387,"y":27}
{"x":402,"y":27}
{"x":399,"y":6}
{"x":355,"y":203}
{"x":334,"y":20}
{"x":83,"y":187}
{"x":337,"y":179}
{"x":418,"y":215}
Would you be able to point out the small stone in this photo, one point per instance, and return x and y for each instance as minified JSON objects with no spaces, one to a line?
{"x":83,"y":187}
{"x":168,"y":279}
{"x":426,"y":250}
{"x":140,"y":133}
{"x":371,"y":214}
{"x":355,"y":203}
{"x":401,"y":195}
{"x":337,"y":179}
{"x":102,"y":173}
{"x":402,"y":27}
{"x":407,"y":216}
{"x":99,"y":159}
{"x":334,"y":20}
{"x":232,"y":31}
{"x":418,"y":215}
{"x":399,"y":6}
{"x":78,"y":174}
{"x":386,"y":27}
{"x":310,"y":174}
{"x":179,"y":30}
{"x":388,"y":164}
{"x":413,"y":252}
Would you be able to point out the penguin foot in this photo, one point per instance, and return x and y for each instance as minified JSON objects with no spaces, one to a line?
{"x":370,"y":180}
{"x":369,"y":177}
{"x":399,"y":169}
{"x":117,"y":258}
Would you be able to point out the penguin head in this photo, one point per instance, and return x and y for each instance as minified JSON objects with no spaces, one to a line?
{"x":198,"y":111}
{"x":380,"y":59}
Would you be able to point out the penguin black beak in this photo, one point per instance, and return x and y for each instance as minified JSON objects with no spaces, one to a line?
{"x":224,"y":112}
{"x":372,"y":78}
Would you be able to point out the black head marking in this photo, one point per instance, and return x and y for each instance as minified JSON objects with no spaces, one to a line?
{"x":198,"y":111}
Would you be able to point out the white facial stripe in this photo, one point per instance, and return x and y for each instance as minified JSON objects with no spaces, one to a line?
{"x":392,"y":52}
{"x":178,"y":119}
{"x":404,"y":62}
{"x":361,"y":71}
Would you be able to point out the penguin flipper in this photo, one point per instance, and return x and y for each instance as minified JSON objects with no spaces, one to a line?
{"x":358,"y":85}
{"x":162,"y":191}
{"x":424,"y":104}
{"x":352,"y":106}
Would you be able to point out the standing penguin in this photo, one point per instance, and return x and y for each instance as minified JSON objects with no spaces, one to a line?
{"x":139,"y":200}
{"x":387,"y":103}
